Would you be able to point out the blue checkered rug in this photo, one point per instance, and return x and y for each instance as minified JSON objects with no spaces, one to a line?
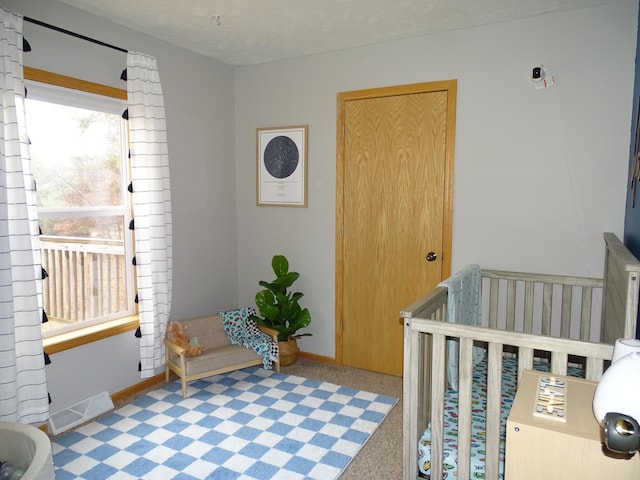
{"x":248,"y":424}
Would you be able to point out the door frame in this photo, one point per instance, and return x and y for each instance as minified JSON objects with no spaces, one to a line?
{"x":450,"y":86}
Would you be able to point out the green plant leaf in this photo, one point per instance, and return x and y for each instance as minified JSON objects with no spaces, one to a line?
{"x":280,"y":265}
{"x":265,"y":298}
{"x":266,"y":303}
{"x":303,"y":319}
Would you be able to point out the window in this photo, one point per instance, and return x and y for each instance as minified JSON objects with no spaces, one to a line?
{"x":79,"y":158}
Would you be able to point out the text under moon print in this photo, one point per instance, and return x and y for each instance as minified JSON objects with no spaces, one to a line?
{"x":281,"y":157}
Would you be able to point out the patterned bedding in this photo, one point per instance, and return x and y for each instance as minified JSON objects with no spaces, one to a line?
{"x":479,"y":396}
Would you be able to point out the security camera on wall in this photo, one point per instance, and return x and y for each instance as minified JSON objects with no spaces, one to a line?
{"x":541,"y":77}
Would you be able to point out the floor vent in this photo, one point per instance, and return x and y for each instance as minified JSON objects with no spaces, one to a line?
{"x":80,"y":412}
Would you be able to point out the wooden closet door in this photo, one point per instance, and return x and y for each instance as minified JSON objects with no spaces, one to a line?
{"x":395,"y":209}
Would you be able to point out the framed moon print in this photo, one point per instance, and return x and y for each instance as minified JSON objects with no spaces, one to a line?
{"x":282,"y":166}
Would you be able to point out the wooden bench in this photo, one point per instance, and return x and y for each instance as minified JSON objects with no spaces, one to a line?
{"x":219,"y":355}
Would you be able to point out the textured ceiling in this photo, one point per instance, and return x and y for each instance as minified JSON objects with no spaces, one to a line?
{"x":244,"y":32}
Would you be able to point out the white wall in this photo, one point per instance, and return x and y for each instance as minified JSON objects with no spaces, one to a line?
{"x":539,"y":174}
{"x":198,"y":95}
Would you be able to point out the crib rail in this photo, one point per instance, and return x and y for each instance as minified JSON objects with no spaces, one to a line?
{"x":425,"y":383}
{"x":552,"y":305}
{"x":539,"y":304}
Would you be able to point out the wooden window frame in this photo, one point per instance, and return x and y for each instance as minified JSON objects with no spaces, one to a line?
{"x":109,"y":328}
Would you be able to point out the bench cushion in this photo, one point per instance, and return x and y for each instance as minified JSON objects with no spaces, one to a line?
{"x":209,"y":331}
{"x":220,"y":358}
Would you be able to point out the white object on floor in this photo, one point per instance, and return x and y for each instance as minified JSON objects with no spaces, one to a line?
{"x":29,"y":448}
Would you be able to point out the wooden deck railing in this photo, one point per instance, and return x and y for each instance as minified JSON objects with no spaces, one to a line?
{"x":86,"y":278}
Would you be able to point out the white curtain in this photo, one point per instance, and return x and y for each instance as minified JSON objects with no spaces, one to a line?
{"x":151,"y":207}
{"x":23,"y":386}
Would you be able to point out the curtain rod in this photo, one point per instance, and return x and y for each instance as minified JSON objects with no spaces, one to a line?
{"x":73,"y":34}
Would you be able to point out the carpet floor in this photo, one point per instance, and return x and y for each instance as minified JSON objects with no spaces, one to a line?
{"x":248,"y":424}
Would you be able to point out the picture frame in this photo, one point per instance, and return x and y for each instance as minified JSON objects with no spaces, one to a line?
{"x":281,"y":166}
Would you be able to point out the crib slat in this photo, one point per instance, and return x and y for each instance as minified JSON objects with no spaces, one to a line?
{"x":559,"y":363}
{"x":494,"y":381}
{"x":511,"y":305}
{"x":565,"y":315}
{"x":438,"y":369}
{"x":414,"y":359}
{"x":547,"y":294}
{"x":464,"y":408}
{"x":525,"y":360}
{"x":424,"y":376}
{"x":595,"y":368}
{"x":585,"y":317}
{"x":529,"y":292}
{"x":494,"y":286}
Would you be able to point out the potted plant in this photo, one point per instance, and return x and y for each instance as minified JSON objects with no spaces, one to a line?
{"x":280,"y":310}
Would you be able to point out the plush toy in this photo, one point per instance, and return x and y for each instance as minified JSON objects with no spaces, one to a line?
{"x":178,"y":335}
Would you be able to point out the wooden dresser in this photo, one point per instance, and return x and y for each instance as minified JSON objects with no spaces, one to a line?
{"x":563,"y":444}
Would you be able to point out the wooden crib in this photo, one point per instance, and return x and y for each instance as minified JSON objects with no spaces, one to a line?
{"x":567,"y":320}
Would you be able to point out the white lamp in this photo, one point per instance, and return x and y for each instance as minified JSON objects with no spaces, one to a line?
{"x":616,"y":402}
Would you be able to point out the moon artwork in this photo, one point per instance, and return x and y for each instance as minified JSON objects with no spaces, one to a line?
{"x":281,"y":157}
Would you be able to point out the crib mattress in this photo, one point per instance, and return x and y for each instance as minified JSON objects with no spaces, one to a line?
{"x":479,"y":399}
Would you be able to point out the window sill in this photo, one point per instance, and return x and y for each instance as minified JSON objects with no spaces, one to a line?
{"x":83,"y":336}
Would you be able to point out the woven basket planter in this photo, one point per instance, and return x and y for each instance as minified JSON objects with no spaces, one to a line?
{"x":288,"y":352}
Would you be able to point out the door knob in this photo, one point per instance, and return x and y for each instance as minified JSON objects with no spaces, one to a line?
{"x":431,"y":256}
